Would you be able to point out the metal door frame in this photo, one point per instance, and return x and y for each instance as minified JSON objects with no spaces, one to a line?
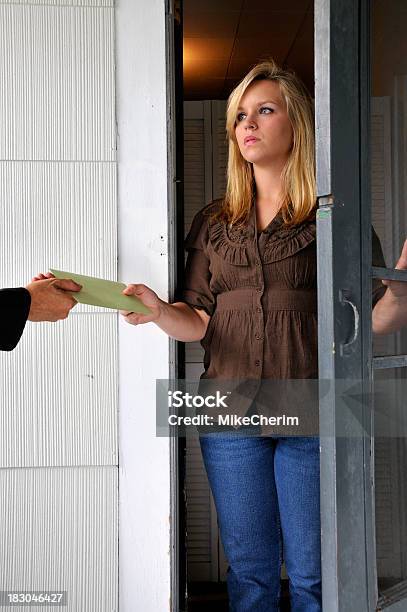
{"x":175,"y":190}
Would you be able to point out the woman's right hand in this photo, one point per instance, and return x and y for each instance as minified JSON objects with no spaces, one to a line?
{"x":149,"y":299}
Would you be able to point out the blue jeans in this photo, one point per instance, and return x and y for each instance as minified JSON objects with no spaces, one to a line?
{"x":266,"y":493}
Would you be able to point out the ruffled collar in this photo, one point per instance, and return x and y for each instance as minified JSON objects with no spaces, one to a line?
{"x":231,"y":243}
{"x":285,"y":241}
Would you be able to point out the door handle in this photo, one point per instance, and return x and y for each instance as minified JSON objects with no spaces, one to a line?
{"x":345,"y":348}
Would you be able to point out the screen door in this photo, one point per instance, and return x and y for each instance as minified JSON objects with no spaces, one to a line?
{"x":361,"y":106}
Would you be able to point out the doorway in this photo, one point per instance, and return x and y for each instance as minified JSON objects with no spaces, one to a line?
{"x":365,"y":97}
{"x":221,"y":41}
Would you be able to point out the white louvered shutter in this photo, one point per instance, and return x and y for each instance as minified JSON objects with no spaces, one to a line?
{"x":198,"y":497}
{"x":205,"y":159}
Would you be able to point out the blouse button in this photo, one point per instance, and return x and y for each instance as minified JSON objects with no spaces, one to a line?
{"x":257,"y":362}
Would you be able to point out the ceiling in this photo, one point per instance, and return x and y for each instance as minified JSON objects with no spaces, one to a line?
{"x":224,"y":38}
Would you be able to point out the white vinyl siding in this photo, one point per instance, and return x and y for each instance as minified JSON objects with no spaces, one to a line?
{"x":58,"y":388}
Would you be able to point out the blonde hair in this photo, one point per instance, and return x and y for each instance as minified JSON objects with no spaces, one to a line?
{"x":298,"y":175}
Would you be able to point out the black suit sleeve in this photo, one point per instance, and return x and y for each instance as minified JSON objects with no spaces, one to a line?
{"x":14,"y":309}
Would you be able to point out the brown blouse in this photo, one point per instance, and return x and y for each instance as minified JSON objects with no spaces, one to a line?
{"x":260,"y":289}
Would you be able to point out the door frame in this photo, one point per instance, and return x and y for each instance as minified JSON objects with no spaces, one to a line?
{"x":175,"y":186}
{"x":342,"y":93}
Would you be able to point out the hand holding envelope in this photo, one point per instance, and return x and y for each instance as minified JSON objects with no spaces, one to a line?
{"x":137,"y":303}
{"x":149,"y":298}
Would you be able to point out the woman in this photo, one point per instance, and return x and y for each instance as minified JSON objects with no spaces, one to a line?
{"x":250,"y":297}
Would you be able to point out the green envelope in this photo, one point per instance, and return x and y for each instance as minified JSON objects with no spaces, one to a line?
{"x":100,"y":292}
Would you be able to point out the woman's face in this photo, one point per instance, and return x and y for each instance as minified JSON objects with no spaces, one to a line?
{"x":263,"y":130}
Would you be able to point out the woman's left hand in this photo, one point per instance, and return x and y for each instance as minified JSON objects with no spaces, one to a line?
{"x":398,"y":289}
{"x":390,"y":312}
